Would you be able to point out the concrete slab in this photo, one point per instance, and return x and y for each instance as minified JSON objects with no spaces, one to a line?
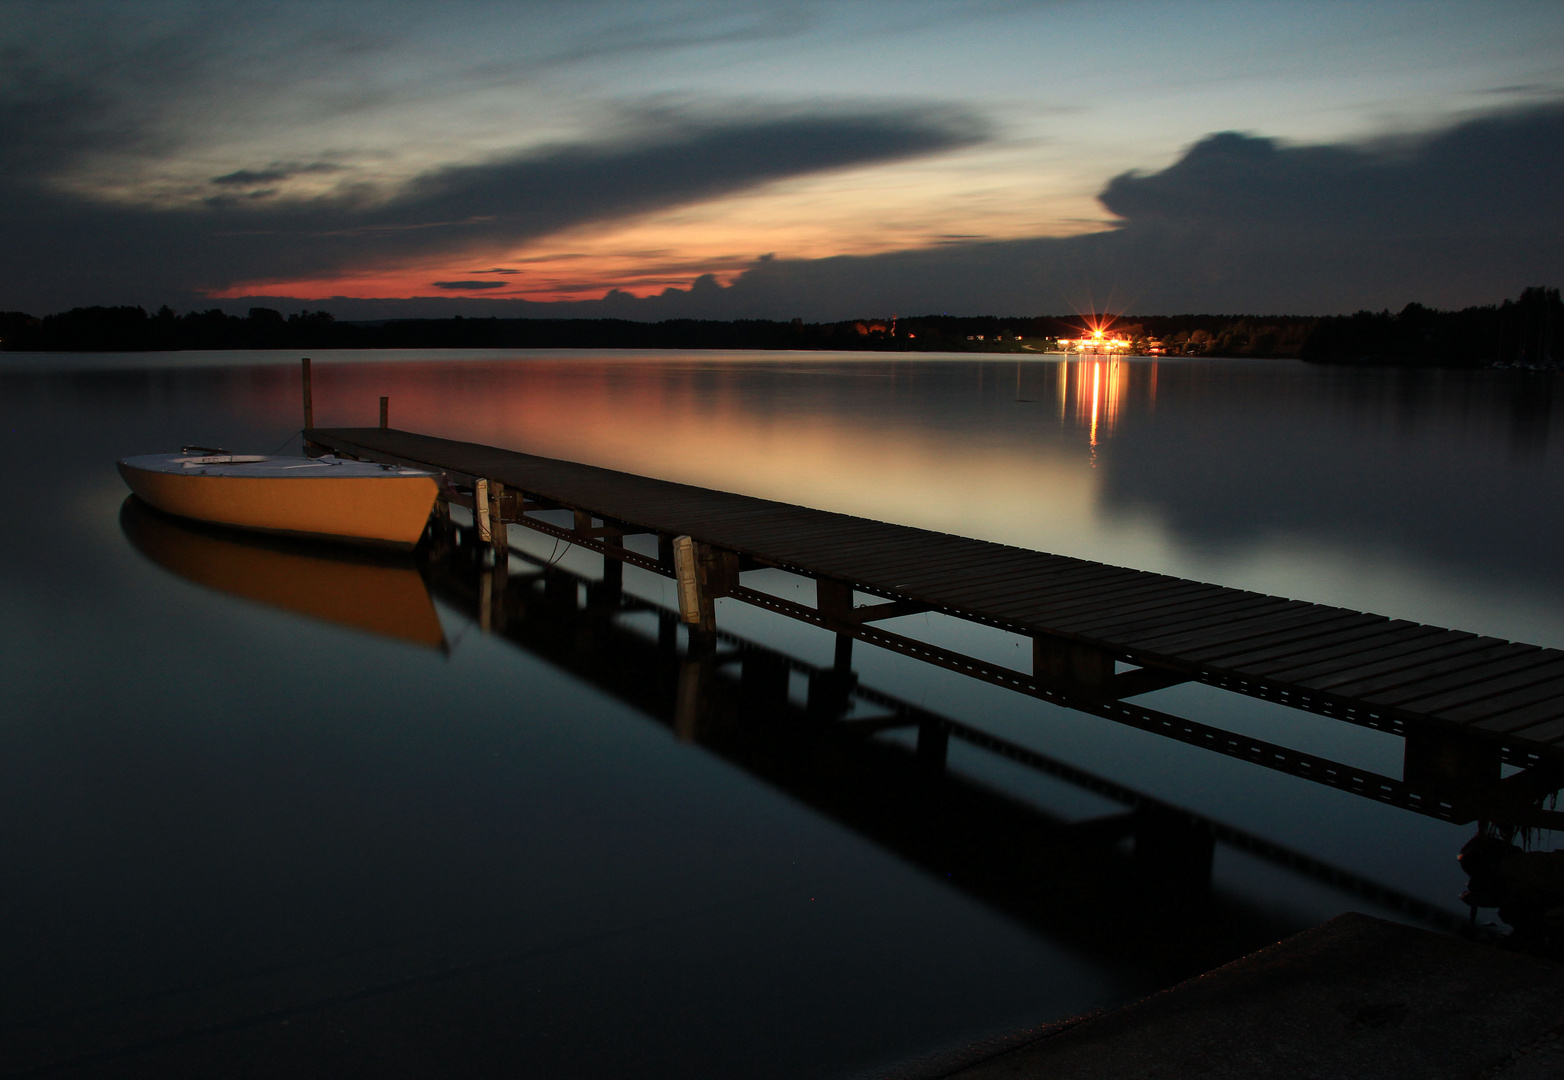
{"x":1355,"y":997}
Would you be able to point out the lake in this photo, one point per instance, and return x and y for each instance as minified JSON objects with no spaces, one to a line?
{"x":240,"y":829}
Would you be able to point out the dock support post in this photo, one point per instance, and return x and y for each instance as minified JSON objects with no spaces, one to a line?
{"x":833,"y":599}
{"x":480,"y":510}
{"x":1070,"y":664}
{"x":1450,"y":765}
{"x":385,"y":413}
{"x":309,"y":397}
{"x":695,"y":596}
{"x":843,"y":660}
{"x":499,"y":535}
{"x":613,"y":569}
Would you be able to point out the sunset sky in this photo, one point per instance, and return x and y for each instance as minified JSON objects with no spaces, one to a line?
{"x":830,"y":159}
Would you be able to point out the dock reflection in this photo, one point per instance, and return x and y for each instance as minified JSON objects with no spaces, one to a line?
{"x":378,"y":593}
{"x":1133,"y":888}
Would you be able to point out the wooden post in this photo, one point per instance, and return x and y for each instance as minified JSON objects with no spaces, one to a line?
{"x":480,"y":510}
{"x":1450,"y":765}
{"x":843,"y":660}
{"x":613,"y":569}
{"x":695,"y":606}
{"x":501,"y":537}
{"x":833,"y":599}
{"x":1067,"y":664}
{"x":385,"y":412}
{"x":309,"y":398}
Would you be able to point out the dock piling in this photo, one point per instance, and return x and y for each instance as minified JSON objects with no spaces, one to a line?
{"x":480,"y":510}
{"x":385,"y":413}
{"x":309,"y":397}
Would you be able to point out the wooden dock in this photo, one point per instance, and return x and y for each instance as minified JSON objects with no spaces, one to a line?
{"x":1464,"y":703}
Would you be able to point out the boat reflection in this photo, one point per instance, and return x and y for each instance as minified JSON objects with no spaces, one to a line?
{"x":378,"y":593}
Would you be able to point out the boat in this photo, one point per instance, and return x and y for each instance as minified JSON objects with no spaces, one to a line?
{"x":367,"y":589}
{"x":321,"y":497}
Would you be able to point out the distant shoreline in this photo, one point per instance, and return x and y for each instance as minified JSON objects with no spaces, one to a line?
{"x":1524,"y":333}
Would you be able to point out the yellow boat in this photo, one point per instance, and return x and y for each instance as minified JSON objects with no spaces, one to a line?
{"x":377,"y":592}
{"x":331,"y":497}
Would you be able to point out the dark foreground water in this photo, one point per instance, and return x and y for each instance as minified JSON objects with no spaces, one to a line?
{"x":248,"y":819}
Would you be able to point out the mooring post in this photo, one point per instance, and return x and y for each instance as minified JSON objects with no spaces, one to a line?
{"x":309,"y":398}
{"x":480,"y":510}
{"x":385,"y":412}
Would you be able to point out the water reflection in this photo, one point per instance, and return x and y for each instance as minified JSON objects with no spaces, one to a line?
{"x":369,"y":591}
{"x":1132,"y":888}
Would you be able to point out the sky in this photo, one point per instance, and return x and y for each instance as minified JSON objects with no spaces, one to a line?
{"x":683,"y":158}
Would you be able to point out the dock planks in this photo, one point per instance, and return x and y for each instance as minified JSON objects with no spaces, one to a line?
{"x":1334,"y":660}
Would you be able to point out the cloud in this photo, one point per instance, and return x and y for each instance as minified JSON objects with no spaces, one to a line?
{"x":1465,"y":215}
{"x":1239,"y":223}
{"x":102,"y":252}
{"x":468,"y":285}
{"x":273,"y":173}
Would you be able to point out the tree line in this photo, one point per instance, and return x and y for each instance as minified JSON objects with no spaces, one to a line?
{"x":94,"y":329}
{"x":1525,"y":332}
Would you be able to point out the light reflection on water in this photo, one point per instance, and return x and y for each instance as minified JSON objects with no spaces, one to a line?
{"x":203,"y":791}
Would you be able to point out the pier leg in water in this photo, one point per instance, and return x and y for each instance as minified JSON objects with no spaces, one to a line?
{"x":385,"y":412}
{"x":1063,"y":663}
{"x":500,"y":537}
{"x":696,"y":605}
{"x":613,"y":570}
{"x":480,"y":511}
{"x":1450,"y":765}
{"x":309,"y":396}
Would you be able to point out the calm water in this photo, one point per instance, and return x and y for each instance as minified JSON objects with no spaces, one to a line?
{"x":236,"y":830}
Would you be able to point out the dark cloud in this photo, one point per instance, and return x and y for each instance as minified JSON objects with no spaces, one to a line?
{"x":1240,"y":223}
{"x":496,"y":270}
{"x":455,"y":286}
{"x":89,"y":252}
{"x":273,"y":173}
{"x":1467,"y":215}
